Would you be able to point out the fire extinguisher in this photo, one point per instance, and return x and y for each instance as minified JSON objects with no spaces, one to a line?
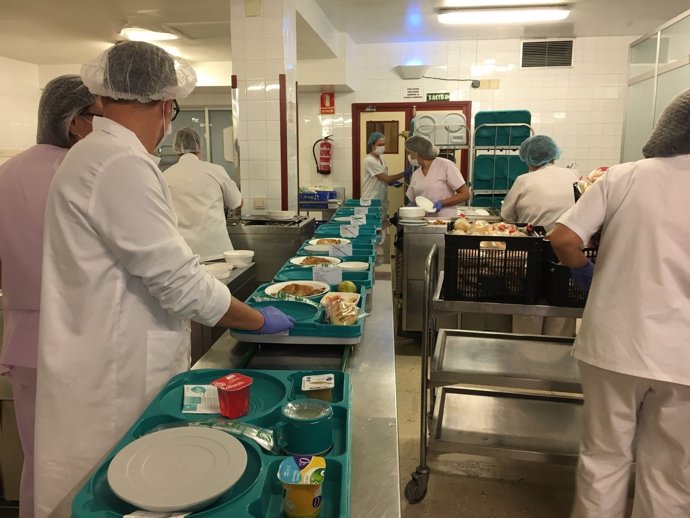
{"x":323,"y":162}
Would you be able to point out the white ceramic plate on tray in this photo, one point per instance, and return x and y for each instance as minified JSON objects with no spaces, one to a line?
{"x":424,"y":203}
{"x":354,"y":266}
{"x":317,"y":248}
{"x":322,"y":260}
{"x":179,"y":469}
{"x":274,"y":289}
{"x":332,"y":241}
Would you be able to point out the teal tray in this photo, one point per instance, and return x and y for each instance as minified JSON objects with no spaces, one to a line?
{"x":330,"y":230}
{"x":350,"y":211}
{"x":359,"y":249}
{"x":258,"y":493}
{"x":299,"y":273}
{"x":356,"y":203}
{"x":310,"y":326}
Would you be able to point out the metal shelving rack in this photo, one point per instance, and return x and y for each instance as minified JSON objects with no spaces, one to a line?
{"x":499,"y":150}
{"x":494,"y":394}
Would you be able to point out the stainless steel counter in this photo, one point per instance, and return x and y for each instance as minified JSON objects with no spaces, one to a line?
{"x":273,"y":242}
{"x":375,"y":470}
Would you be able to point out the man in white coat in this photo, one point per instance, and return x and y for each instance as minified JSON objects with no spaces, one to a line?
{"x":634,"y":343}
{"x":119,"y":282}
{"x":201,"y":191}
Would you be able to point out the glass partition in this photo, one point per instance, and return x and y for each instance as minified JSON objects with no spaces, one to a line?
{"x":639,"y":120}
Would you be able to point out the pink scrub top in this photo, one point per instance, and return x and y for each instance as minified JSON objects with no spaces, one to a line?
{"x":24,"y":183}
{"x":442,"y":180}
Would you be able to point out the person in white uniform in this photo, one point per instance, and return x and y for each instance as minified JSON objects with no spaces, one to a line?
{"x":119,"y":282}
{"x":435,"y":178}
{"x":540,"y":197}
{"x":633,"y":346}
{"x":375,"y":172}
{"x":201,"y":191}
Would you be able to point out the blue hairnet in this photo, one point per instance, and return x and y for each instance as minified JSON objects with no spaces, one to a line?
{"x":539,"y":150}
{"x":62,"y":99}
{"x":671,"y":136}
{"x":373,"y":138}
{"x":186,"y":141}
{"x":422,"y":146}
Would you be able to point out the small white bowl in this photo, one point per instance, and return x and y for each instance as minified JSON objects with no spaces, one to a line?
{"x":239,"y":257}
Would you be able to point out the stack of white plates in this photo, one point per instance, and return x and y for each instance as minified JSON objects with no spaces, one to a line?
{"x":413,"y":222}
{"x":219,"y":270}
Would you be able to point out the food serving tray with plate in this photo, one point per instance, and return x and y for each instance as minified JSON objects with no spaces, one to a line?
{"x":257,"y":493}
{"x":290,"y":272}
{"x":311,"y":323}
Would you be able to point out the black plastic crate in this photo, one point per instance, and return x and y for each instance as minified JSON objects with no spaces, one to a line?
{"x":557,"y":287}
{"x":493,"y":268}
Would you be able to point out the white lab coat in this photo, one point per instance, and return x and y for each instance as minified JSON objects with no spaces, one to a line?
{"x":540,"y":197}
{"x":200,"y":190}
{"x":634,"y":342}
{"x":119,"y":284}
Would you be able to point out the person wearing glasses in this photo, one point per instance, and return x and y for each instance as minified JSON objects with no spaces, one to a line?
{"x":120,"y":284}
{"x":64,"y":114}
{"x":201,"y":191}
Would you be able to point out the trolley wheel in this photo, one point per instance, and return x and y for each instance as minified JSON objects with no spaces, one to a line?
{"x":415,"y":490}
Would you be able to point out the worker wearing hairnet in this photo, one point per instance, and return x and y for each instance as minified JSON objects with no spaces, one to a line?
{"x":435,"y":178}
{"x":540,"y":197}
{"x":119,"y":282}
{"x":201,"y":191}
{"x":633,"y":346}
{"x":64,"y":117}
{"x":375,"y":177}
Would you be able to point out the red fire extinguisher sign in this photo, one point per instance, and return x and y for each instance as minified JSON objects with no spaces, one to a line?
{"x":327,"y":103}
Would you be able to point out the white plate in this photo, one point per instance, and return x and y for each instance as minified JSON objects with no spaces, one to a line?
{"x":179,"y":469}
{"x":342,"y":218}
{"x":424,"y":203}
{"x":354,"y":297}
{"x":273,"y":289}
{"x":301,"y":258}
{"x":341,"y":241}
{"x":354,"y":266}
{"x":417,"y":222}
{"x":281,"y":215}
{"x":219,"y":270}
{"x":317,"y":248}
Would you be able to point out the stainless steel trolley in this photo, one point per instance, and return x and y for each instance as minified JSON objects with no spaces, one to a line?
{"x":507,"y":395}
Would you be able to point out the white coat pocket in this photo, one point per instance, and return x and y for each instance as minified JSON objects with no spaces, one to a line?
{"x":167,"y":354}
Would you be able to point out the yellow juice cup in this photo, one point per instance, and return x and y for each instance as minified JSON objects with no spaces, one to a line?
{"x":302,"y":478}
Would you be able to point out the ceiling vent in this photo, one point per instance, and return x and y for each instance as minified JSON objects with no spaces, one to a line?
{"x":547,"y":53}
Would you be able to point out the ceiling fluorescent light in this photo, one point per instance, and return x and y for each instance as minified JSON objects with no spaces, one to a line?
{"x":499,"y":15}
{"x":451,"y":4}
{"x":139,"y":34}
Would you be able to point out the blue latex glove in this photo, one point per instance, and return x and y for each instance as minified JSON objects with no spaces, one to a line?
{"x":582,"y":276}
{"x":396,"y":184}
{"x":275,"y":321}
{"x":438,"y":205}
{"x":408,"y":173}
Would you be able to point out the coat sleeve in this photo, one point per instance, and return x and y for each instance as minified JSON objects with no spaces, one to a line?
{"x":509,"y":207}
{"x":129,"y":209}
{"x":232,"y":197}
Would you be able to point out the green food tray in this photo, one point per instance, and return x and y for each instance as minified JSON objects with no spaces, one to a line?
{"x":299,"y":273}
{"x":258,"y":493}
{"x":359,"y":249}
{"x":350,"y":211}
{"x":355,"y":202}
{"x":330,"y":230}
{"x":310,"y":326}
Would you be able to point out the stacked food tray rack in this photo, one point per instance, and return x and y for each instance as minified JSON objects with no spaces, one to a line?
{"x":258,"y":493}
{"x":312,"y":326}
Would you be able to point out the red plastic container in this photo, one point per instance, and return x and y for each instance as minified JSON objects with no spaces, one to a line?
{"x":233,"y":394}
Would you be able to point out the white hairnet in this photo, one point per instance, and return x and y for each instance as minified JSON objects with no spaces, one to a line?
{"x":671,"y":136}
{"x":62,"y":99}
{"x":138,"y":71}
{"x":422,"y":146}
{"x":539,"y":150}
{"x":186,"y":141}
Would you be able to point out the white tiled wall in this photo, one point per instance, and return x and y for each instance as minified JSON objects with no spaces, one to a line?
{"x":581,"y":107}
{"x":19,"y":95}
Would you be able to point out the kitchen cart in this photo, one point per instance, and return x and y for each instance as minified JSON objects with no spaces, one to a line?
{"x":494,"y":394}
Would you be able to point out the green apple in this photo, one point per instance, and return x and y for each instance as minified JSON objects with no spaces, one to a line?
{"x":347,"y":287}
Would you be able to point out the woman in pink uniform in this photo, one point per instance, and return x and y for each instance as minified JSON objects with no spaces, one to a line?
{"x":435,"y":178}
{"x":64,"y":117}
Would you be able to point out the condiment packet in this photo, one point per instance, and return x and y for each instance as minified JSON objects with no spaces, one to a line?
{"x":200,"y":399}
{"x":318,"y":382}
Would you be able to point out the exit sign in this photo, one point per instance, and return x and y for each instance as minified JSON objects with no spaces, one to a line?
{"x":440,"y":96}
